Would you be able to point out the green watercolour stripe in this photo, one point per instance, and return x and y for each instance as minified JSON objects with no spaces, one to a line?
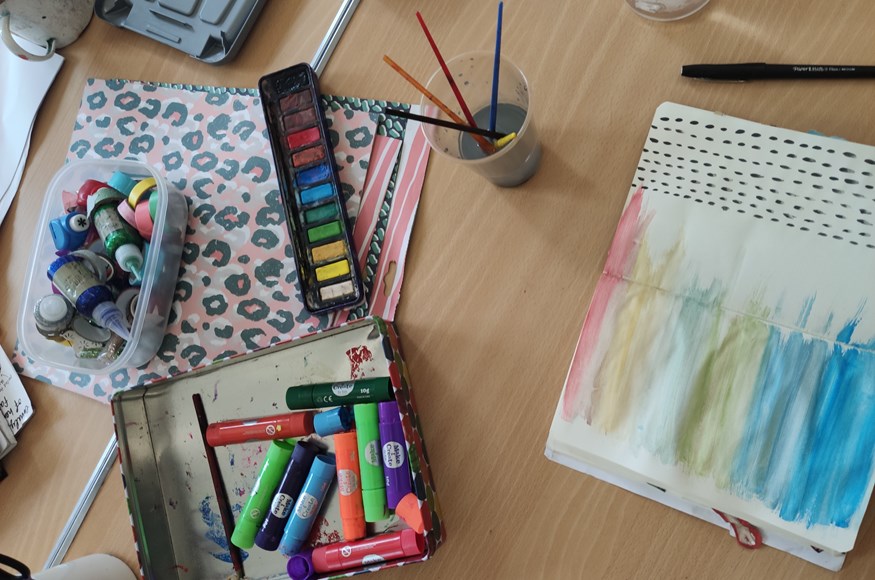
{"x":734,"y":370}
{"x":662,"y":413}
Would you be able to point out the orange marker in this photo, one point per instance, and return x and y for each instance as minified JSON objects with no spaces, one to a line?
{"x":352,"y":510}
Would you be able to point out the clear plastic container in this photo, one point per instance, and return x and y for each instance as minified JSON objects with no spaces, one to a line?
{"x":160,"y":271}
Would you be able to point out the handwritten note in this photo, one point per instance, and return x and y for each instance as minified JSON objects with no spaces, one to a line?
{"x":15,"y":405}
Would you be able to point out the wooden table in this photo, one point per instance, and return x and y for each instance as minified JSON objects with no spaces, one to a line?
{"x":497,"y":281}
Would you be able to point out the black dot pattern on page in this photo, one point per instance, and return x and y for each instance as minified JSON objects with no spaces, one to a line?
{"x":809,"y":183}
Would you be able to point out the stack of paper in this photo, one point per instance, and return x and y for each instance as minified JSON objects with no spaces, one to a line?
{"x":24,"y":83}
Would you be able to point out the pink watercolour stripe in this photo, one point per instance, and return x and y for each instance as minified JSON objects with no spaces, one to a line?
{"x":383,"y":156}
{"x":620,"y":255}
{"x":414,"y":162}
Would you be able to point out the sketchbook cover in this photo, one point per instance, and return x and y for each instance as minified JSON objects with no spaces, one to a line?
{"x":727,"y":354}
{"x":237,"y":289}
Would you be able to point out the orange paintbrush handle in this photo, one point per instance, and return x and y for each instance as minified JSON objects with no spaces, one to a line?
{"x":484,"y":144}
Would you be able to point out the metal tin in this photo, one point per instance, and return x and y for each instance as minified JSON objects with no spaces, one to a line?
{"x":170,"y":493}
{"x":213,"y":34}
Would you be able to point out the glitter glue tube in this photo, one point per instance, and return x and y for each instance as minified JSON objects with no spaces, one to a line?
{"x":91,"y":298}
{"x":334,"y":394}
{"x":287,"y":493}
{"x":352,"y":511}
{"x":331,"y":422}
{"x":253,"y":513}
{"x":308,"y":504}
{"x":282,"y":426}
{"x":370,"y":462}
{"x":395,"y":464}
{"x":121,"y":241}
{"x":347,"y":555}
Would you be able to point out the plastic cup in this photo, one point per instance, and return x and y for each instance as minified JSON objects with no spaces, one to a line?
{"x":666,"y":10}
{"x":517,"y":161}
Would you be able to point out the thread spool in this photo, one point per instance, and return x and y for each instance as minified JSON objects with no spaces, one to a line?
{"x":52,"y":315}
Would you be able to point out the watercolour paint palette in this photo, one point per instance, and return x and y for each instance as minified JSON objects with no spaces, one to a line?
{"x":728,"y":354}
{"x":311,"y":189}
{"x":174,"y":512}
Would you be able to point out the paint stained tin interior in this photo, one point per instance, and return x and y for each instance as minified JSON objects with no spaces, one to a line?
{"x":174,"y":512}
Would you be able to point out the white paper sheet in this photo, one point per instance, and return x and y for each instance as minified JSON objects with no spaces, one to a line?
{"x":25,"y":84}
{"x":9,"y":193}
{"x":15,"y":405}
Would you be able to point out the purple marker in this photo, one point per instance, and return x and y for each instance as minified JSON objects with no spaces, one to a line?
{"x":271,"y":531}
{"x":395,"y":466}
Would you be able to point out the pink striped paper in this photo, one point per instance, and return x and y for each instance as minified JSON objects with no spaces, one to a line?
{"x":383,"y":159}
{"x":414,"y":160}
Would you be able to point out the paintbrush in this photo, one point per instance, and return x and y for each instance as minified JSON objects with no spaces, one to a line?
{"x":496,"y":65}
{"x":447,"y":124}
{"x":483,"y":143}
{"x":447,"y":72}
{"x":218,"y":486}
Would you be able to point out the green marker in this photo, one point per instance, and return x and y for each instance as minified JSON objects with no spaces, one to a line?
{"x":337,"y":394}
{"x":278,"y":455}
{"x":367,"y":426}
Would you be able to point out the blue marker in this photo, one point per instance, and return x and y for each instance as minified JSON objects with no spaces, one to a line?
{"x":308,"y":504}
{"x":332,"y":422}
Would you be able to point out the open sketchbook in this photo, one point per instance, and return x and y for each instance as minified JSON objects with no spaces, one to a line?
{"x":728,"y":355}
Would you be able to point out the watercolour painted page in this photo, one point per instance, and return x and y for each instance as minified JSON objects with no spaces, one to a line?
{"x":728,"y":354}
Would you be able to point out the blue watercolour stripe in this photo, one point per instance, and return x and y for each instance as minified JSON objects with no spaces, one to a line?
{"x":807,"y":449}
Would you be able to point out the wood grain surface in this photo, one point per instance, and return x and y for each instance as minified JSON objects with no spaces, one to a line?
{"x":497,"y":280}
